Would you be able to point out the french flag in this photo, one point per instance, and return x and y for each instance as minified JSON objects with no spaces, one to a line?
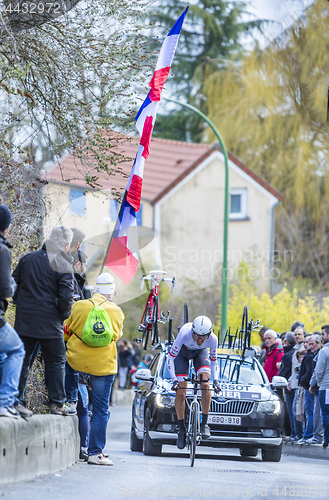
{"x":146,"y":116}
{"x":122,"y":256}
{"x":122,"y":253}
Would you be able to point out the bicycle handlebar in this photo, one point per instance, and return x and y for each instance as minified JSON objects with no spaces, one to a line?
{"x":151,"y":277}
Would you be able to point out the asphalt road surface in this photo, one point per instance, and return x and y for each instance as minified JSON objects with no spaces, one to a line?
{"x":217,"y":473}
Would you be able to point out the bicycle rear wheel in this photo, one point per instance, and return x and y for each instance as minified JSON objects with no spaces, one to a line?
{"x":244,"y":329}
{"x":145,"y":338}
{"x":193,"y":434}
{"x":155,"y":339}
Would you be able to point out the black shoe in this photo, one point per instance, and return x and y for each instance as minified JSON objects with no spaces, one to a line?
{"x":83,"y":455}
{"x":325,"y":445}
{"x":205,"y":431}
{"x":181,"y":439}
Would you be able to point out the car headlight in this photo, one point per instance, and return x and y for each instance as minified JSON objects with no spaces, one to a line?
{"x":272,"y":406}
{"x":164,"y":401}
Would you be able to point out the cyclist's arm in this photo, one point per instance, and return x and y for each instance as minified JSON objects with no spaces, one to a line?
{"x":174,"y":350}
{"x":213,"y":356}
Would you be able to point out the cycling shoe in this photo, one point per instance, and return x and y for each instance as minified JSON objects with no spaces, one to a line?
{"x":205,"y":431}
{"x":181,"y":440}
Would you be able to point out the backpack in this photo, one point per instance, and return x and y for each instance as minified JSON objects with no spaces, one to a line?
{"x":98,"y":329}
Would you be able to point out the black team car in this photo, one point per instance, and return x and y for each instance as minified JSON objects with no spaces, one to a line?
{"x":249,"y":418}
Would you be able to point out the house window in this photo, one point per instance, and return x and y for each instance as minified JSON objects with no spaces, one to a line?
{"x":113,"y":210}
{"x":238,"y":204}
{"x":77,"y":202}
{"x":139,"y":216}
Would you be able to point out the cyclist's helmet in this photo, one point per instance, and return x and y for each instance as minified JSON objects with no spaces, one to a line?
{"x":202,"y":326}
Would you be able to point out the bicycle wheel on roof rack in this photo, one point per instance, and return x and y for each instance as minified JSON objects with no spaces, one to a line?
{"x":155,"y":339}
{"x":145,"y":328}
{"x":244,"y":329}
{"x":185,"y":314}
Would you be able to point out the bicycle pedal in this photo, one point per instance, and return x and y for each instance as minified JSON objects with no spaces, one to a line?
{"x":141,"y":328}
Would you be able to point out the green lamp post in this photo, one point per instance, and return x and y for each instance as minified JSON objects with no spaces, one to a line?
{"x":226,"y":202}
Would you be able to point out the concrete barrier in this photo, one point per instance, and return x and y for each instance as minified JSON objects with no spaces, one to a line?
{"x":306,"y":450}
{"x":123,"y":398}
{"x":40,"y":445}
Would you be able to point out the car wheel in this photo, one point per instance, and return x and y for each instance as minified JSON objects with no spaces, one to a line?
{"x":272,"y":455}
{"x":248,"y":452}
{"x":149,"y":448}
{"x":135,"y":443}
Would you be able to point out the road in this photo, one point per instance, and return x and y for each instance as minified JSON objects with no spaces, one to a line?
{"x":216,"y":474}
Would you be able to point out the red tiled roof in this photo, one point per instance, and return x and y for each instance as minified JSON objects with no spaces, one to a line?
{"x":169,"y":162}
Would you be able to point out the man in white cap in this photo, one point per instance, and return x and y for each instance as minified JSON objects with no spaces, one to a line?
{"x":98,"y":362}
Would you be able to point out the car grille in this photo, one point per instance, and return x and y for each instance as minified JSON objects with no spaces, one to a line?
{"x":232,"y":407}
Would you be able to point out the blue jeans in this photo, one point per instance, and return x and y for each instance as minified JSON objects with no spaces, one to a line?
{"x":289,"y":402}
{"x":12,"y":354}
{"x":101,"y":388}
{"x":298,"y":424}
{"x":83,"y":415}
{"x":71,"y":383}
{"x":325,"y":415}
{"x":309,"y":410}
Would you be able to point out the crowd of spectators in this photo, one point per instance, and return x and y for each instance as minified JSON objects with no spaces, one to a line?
{"x":303,"y":360}
{"x":47,"y":287}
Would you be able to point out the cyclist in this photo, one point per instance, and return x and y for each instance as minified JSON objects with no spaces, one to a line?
{"x":192,"y":342}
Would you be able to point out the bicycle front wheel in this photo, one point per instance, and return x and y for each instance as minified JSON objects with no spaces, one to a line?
{"x":193,"y":434}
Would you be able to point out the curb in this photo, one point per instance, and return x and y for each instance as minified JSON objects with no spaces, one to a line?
{"x":306,"y":451}
{"x":40,"y":445}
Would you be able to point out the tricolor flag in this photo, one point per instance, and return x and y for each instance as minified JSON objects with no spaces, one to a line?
{"x":146,"y":116}
{"x":122,"y":254}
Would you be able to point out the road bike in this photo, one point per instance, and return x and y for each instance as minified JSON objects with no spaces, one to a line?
{"x":241,"y":339}
{"x":151,"y":315}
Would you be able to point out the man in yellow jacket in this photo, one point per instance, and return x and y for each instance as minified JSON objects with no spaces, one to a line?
{"x":98,"y":362}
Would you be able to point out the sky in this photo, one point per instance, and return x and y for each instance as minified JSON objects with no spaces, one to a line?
{"x":281,"y":12}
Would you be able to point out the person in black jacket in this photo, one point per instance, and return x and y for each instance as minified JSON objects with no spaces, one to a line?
{"x":43,"y":299}
{"x":285,"y":371}
{"x":11,"y":347}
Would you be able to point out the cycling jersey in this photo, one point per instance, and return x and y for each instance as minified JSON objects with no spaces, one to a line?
{"x":185,"y":342}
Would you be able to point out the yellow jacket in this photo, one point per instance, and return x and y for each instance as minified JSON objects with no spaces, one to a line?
{"x":98,"y":361}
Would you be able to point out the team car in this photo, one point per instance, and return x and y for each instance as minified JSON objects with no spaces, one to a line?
{"x":247,"y":414}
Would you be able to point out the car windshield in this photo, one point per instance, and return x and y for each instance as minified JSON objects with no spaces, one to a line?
{"x":232,"y":369}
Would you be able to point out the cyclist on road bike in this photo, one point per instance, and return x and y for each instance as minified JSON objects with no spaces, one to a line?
{"x":192,"y":342}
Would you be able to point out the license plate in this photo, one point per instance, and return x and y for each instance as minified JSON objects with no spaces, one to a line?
{"x":221,"y":419}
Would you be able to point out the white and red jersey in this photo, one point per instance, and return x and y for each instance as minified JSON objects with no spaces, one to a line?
{"x":185,"y":338}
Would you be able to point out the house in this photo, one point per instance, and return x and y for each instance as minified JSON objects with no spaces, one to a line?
{"x":182,"y":204}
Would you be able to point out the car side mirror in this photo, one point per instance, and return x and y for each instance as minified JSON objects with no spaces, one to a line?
{"x":144,"y":374}
{"x":279,"y":382}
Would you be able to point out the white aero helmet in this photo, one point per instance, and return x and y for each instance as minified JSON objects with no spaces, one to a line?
{"x":202,"y":326}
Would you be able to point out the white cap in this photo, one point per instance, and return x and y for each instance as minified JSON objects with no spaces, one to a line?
{"x":105,"y":284}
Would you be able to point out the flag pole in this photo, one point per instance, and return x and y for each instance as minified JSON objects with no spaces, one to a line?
{"x":108,"y":247}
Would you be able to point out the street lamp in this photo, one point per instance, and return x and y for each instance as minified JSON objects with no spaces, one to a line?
{"x":226,"y":198}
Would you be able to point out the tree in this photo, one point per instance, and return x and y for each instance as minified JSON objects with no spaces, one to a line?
{"x":273,"y":108}
{"x":211,"y":32}
{"x":65,"y":81}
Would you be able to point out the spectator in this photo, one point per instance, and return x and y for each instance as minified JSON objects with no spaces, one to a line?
{"x":100,"y":363}
{"x":322,"y":378}
{"x":125,"y":363}
{"x":293,"y":380}
{"x":262,"y":356}
{"x":147,"y":360}
{"x":77,"y":239}
{"x":136,"y":355}
{"x":300,"y":406}
{"x":11,"y":347}
{"x":297,"y":324}
{"x":79,"y":269}
{"x":305,"y":374}
{"x":285,"y":371}
{"x":274,"y":354}
{"x":317,"y":438}
{"x":43,"y":298}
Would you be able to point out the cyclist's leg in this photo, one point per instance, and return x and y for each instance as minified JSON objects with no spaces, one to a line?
{"x":181,"y":370}
{"x":202,"y":368}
